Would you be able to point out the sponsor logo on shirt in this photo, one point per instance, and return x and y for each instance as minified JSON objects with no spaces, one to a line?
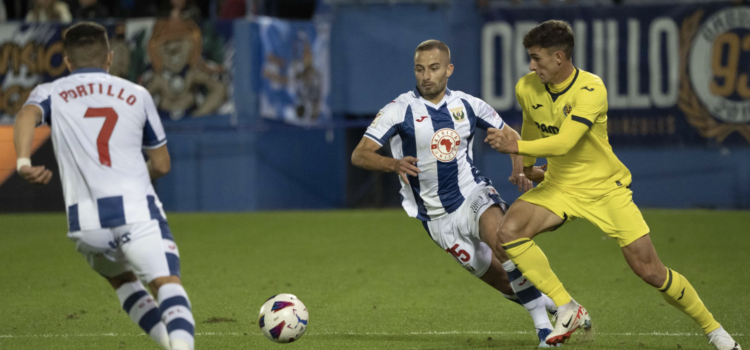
{"x":445,"y":144}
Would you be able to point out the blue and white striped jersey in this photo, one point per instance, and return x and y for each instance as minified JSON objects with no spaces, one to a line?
{"x":441,"y":137}
{"x":100,"y":124}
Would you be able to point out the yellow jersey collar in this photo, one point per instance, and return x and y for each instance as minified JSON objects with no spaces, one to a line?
{"x":556,"y":95}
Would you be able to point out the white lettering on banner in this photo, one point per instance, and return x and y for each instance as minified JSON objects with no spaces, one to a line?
{"x":491,"y":31}
{"x":659,"y":97}
{"x":635,"y":98}
{"x":579,"y":57}
{"x":612,"y":81}
{"x":599,"y":48}
{"x":522,"y":56}
{"x":606,"y":53}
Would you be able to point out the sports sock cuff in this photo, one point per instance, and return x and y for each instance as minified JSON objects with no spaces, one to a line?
{"x":515,"y":248}
{"x":669,"y":281}
{"x":516,"y":243}
{"x":509,"y":266}
{"x":128,"y":289}
{"x":173,"y":291}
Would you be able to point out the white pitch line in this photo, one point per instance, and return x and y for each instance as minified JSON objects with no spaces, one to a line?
{"x":220,"y":334}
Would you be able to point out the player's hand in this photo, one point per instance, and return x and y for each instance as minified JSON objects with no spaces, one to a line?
{"x":500,"y":142}
{"x":38,"y":175}
{"x":536,"y":173}
{"x":494,"y":135}
{"x":504,"y":145}
{"x":406,"y":166}
{"x":520,"y":180}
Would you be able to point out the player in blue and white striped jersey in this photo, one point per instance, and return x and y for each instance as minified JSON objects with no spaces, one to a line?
{"x":100,"y":124}
{"x":431,"y":130}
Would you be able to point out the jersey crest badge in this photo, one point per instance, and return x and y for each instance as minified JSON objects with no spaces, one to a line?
{"x":458,"y":114}
{"x":444,"y":145}
{"x":567,"y":109}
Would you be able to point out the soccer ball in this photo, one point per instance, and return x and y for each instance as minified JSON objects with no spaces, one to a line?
{"x":283,"y":318}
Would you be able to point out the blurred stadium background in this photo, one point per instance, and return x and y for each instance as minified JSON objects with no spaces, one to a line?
{"x":264,"y":100}
{"x":262,"y":112}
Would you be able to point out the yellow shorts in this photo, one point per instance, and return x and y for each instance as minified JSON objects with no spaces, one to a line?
{"x":614,"y":213}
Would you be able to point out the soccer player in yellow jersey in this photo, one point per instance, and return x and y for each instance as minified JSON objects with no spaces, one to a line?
{"x":565,"y":121}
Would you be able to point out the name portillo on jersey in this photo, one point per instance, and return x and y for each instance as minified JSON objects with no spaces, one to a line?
{"x":99,"y":126}
{"x":441,"y":137}
{"x":103,"y":90}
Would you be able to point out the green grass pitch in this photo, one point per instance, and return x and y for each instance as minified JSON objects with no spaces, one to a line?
{"x":371,"y":280}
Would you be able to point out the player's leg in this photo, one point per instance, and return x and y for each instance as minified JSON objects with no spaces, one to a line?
{"x":154,"y":258}
{"x":676,"y":290}
{"x":97,"y":247}
{"x":522,"y":222}
{"x":539,"y":210}
{"x":140,"y":306}
{"x":529,"y":296}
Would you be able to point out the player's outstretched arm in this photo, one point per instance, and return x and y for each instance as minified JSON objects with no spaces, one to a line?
{"x":517,"y":176}
{"x":554,"y":146}
{"x":23,"y":136}
{"x":158,"y":162}
{"x":365,"y":156}
{"x":558,"y":145}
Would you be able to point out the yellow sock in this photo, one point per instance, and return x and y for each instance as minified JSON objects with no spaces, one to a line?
{"x":535,"y":267}
{"x":678,"y":292}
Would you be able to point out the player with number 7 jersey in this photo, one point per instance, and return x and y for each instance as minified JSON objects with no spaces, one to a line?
{"x":101,"y":125}
{"x":97,"y":121}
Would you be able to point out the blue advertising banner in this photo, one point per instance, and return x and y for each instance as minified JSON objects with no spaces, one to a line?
{"x":295,"y":71}
{"x":186,"y":67}
{"x":675,"y":75}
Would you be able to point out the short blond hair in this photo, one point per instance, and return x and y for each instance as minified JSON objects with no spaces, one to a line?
{"x":434,"y":44}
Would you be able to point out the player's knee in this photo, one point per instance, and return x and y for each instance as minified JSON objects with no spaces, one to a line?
{"x":160,"y":281}
{"x":121,"y":279}
{"x":508,"y":233}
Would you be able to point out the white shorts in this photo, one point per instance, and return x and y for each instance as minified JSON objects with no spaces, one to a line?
{"x":458,"y":232}
{"x":145,"y":248}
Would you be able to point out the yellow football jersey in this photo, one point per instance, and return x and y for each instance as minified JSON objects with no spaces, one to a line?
{"x":569,"y":128}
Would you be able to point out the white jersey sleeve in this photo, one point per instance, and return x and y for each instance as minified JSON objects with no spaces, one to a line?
{"x":40,"y":97}
{"x":487,"y":117}
{"x":385,"y":123}
{"x":153,"y":131}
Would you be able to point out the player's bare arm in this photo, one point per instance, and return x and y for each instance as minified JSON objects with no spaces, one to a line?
{"x":517,"y":177}
{"x":23,"y":135}
{"x":365,"y":156}
{"x":158,"y":162}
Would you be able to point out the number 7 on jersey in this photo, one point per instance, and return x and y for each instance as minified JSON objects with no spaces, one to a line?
{"x":102,"y":142}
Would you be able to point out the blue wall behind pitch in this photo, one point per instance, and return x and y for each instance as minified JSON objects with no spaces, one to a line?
{"x":263,"y":167}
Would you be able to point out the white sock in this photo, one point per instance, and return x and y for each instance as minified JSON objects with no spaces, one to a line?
{"x":549,"y":304}
{"x":176,"y":314}
{"x":144,"y":311}
{"x":530,"y":297}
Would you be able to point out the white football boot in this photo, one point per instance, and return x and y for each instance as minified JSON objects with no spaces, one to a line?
{"x":553,"y":311}
{"x":570,"y":317}
{"x":542,"y":334}
{"x":722,"y":340}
